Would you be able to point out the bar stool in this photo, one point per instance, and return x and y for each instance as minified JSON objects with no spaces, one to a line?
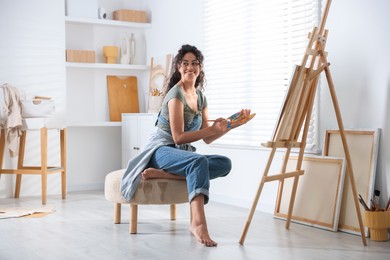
{"x":43,"y":170}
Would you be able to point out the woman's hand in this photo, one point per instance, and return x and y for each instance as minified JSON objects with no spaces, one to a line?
{"x":220,"y":125}
{"x":245,"y":112}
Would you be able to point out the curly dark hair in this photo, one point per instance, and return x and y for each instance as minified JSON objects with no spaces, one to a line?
{"x":176,"y":76}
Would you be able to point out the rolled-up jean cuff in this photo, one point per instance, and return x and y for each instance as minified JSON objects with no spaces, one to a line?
{"x":198,"y":191}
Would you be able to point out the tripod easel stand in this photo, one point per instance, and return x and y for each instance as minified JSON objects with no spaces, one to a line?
{"x":295,"y":113}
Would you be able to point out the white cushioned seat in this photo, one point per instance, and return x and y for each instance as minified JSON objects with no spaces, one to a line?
{"x":152,"y":191}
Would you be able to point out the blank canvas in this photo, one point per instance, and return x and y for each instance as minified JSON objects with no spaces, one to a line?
{"x":363,"y":148}
{"x":318,"y":196}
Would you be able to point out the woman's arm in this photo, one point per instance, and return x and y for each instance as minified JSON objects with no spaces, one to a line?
{"x":210,"y":139}
{"x":205,"y":124}
{"x":176,"y":118}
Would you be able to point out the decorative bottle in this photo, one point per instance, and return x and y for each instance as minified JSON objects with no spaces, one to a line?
{"x":132,"y":49}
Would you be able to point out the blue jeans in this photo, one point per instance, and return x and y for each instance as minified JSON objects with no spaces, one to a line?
{"x":198,"y":169}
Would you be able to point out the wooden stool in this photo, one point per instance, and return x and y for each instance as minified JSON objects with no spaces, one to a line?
{"x":43,"y":170}
{"x":149,"y":192}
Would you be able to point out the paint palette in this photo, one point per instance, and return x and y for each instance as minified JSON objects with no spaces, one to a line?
{"x":238,"y":119}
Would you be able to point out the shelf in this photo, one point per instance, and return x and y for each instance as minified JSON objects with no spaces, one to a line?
{"x":99,"y":31}
{"x":106,"y":66}
{"x":92,"y":124}
{"x":102,"y":22}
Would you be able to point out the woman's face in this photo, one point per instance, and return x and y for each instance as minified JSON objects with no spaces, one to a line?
{"x":189,"y":67}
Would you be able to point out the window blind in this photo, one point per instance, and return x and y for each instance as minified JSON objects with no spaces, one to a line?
{"x":251,"y":48}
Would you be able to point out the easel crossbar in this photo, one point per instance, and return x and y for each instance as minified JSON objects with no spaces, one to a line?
{"x":281,"y":144}
{"x":283,"y":176}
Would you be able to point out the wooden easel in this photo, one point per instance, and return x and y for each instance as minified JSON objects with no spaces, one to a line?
{"x":295,"y":113}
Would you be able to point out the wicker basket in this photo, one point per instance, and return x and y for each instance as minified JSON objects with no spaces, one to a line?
{"x":130,"y":16}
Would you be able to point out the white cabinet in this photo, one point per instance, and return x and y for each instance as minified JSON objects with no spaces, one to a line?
{"x":86,"y":83}
{"x":136,"y":130}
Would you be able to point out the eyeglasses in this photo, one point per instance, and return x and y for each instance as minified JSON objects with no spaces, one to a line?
{"x":185,"y":63}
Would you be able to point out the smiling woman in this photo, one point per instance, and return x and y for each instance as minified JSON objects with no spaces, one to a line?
{"x":183,"y":119}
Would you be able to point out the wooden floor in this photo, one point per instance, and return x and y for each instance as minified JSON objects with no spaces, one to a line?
{"x":82,"y":228}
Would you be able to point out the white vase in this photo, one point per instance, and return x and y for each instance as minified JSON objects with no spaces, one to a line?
{"x":125,"y":49}
{"x":155,"y":103}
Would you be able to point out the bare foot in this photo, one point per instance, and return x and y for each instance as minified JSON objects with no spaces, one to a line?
{"x":152,"y":173}
{"x":201,"y":233}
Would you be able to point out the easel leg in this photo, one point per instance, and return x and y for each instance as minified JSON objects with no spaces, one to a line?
{"x":281,"y":182}
{"x":256,"y":200}
{"x":280,"y":189}
{"x":292,"y":200}
{"x":346,"y":150}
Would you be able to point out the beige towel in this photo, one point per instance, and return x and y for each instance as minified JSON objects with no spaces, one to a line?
{"x":13,"y":124}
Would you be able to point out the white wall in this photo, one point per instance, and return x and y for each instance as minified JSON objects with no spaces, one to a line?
{"x":175,"y":22}
{"x":358,"y":46}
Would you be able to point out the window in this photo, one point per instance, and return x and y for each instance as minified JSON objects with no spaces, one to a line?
{"x":251,"y":48}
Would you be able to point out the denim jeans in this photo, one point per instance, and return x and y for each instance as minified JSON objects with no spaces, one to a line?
{"x":198,"y":169}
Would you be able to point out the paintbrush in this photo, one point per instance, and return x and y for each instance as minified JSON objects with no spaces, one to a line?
{"x":388,"y":205}
{"x":361,"y":200}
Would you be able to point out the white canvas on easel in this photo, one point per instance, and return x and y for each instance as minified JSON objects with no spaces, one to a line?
{"x":364,"y":151}
{"x":318,"y":196}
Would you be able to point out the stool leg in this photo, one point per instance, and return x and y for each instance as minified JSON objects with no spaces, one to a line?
{"x":133,"y":218}
{"x":44,"y":163}
{"x":173,"y":211}
{"x":63,"y":162}
{"x":44,"y":189}
{"x":117,"y":213}
{"x":22,"y":145}
{"x":18,"y":184}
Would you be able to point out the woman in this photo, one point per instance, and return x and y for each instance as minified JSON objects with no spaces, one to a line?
{"x":183,"y":119}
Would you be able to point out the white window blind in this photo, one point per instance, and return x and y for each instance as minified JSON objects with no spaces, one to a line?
{"x":251,"y":48}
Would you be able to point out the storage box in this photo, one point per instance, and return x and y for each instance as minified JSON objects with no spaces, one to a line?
{"x":130,"y":16}
{"x":80,"y":56}
{"x":82,"y":8}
